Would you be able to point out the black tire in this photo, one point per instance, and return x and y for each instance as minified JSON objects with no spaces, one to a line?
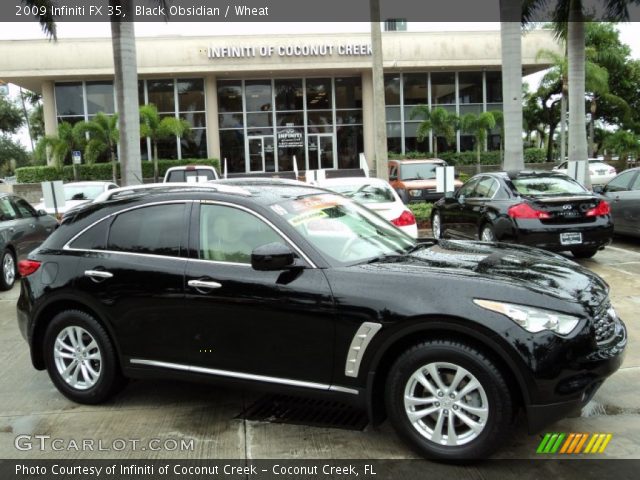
{"x":584,"y":253}
{"x":497,"y":401}
{"x":8,"y":279}
{"x":109,"y":379}
{"x":488,"y":231}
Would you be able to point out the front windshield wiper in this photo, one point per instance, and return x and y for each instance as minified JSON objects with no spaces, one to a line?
{"x":420,"y":245}
{"x":385,"y":256}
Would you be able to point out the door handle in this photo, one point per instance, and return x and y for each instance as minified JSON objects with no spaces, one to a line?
{"x":98,"y":274}
{"x":203,"y":284}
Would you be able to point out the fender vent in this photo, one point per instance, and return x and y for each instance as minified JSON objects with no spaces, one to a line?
{"x":305,"y":411}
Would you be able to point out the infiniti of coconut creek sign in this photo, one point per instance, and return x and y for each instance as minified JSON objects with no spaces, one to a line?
{"x":322,"y":50}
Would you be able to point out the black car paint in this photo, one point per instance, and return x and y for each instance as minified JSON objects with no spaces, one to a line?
{"x":464,"y":218}
{"x":426,"y":294}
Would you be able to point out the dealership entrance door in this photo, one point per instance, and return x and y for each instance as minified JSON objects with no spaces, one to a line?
{"x":261,"y":154}
{"x":320,"y":148}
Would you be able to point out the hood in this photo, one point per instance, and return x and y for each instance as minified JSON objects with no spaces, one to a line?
{"x":529,"y":268}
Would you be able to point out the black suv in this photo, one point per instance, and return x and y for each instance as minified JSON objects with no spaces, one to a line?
{"x":297,"y":289}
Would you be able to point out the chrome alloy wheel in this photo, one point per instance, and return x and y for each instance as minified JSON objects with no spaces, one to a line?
{"x":435,"y":226}
{"x":8,"y":269}
{"x":446,"y":404}
{"x":77,"y":358}
{"x":487,"y":235}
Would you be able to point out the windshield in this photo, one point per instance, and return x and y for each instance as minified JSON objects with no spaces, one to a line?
{"x":342,"y":230}
{"x":365,"y":193}
{"x":419,"y":171}
{"x":82,"y":192}
{"x":551,"y":185}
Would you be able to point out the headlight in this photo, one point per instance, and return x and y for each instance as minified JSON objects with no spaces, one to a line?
{"x":415,"y":193}
{"x":533,"y":319}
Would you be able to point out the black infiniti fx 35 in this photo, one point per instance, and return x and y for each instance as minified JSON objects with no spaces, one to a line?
{"x":540,"y":209}
{"x":296,"y":289}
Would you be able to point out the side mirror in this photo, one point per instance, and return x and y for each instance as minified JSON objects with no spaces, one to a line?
{"x":271,"y":257}
{"x":42,"y":213}
{"x":599,"y":189}
{"x":460,"y":199}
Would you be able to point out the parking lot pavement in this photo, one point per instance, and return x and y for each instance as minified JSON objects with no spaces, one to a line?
{"x":205,"y":415}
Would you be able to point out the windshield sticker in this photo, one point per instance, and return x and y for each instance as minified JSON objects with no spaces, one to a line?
{"x":307,"y":217}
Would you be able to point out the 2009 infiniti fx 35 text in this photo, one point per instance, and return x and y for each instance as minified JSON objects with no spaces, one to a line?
{"x":295,"y":288}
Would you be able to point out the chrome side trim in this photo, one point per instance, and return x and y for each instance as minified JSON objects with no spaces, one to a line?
{"x":98,"y":274}
{"x":242,"y":376}
{"x":358,"y":346}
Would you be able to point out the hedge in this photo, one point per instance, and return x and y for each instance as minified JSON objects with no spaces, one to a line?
{"x":100,"y":171}
{"x":531,"y":155}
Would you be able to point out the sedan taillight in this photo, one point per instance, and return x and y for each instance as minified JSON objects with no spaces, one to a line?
{"x":405,"y":219}
{"x":524,"y":210}
{"x":27,"y":267}
{"x":601,"y":209}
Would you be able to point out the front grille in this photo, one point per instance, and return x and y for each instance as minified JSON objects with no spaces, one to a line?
{"x":605,"y":324}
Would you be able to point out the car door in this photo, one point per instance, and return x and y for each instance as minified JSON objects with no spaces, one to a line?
{"x":37,"y":228}
{"x":622,"y":201}
{"x":14,"y":228}
{"x":133,"y":264}
{"x":475,"y":206}
{"x":273,"y":326}
{"x":453,"y":210}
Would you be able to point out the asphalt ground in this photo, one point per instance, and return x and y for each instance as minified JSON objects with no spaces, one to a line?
{"x":161,"y":414}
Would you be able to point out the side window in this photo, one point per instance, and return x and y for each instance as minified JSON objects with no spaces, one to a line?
{"x":26,"y":210}
{"x":153,"y":230}
{"x":94,"y":238}
{"x":467,"y":188}
{"x":636,"y":183}
{"x":485,"y":188}
{"x":7,"y":210}
{"x":229,"y":234}
{"x":563,"y":166}
{"x":620,"y":183}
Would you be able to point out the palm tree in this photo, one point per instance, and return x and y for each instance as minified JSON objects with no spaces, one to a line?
{"x":379,"y":112}
{"x":156,"y":128}
{"x":438,"y":121}
{"x":58,"y":146}
{"x":511,"y":42}
{"x":623,"y":143}
{"x":498,"y":116}
{"x":478,"y":125}
{"x":100,"y":135}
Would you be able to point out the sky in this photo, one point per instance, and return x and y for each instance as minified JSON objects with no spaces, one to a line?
{"x":24,"y":31}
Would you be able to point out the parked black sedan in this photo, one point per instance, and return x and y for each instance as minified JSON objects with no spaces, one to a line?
{"x":623,"y":194}
{"x":296,"y":289}
{"x":22,"y":229}
{"x":540,"y":209}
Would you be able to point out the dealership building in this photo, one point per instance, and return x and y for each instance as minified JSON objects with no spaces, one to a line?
{"x":258,"y":101}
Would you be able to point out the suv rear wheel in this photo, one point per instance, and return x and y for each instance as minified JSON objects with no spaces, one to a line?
{"x":448,"y":400}
{"x":80,"y":358}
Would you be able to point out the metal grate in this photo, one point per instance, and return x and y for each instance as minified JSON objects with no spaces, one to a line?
{"x":305,"y":411}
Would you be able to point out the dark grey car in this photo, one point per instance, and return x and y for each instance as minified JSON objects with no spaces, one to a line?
{"x":22,"y":229}
{"x":623,"y":194}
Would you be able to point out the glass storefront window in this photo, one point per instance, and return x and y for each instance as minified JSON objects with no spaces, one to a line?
{"x":289,"y":94}
{"x":322,"y":118}
{"x":494,"y":87}
{"x":415,"y":89}
{"x":100,"y":97}
{"x":319,"y":94}
{"x":470,"y":87}
{"x":392,"y":89}
{"x":258,"y":95}
{"x":232,"y":148}
{"x":191,"y":95}
{"x":195,"y":144}
{"x":168,"y":148}
{"x":161,"y":94}
{"x":467,"y":143}
{"x":69,"y":99}
{"x":443,"y":88}
{"x":411,"y":143}
{"x":195,"y":119}
{"x":350,"y":143}
{"x":289,"y":119}
{"x":259,"y":120}
{"x":230,"y":120}
{"x":229,"y":96}
{"x":394,"y":137}
{"x":348,"y":92}
{"x":348,"y":117}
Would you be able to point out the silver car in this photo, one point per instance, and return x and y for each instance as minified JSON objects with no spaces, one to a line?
{"x":623,"y":194}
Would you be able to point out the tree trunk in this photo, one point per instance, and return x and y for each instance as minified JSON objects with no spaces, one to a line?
{"x":592,"y":137}
{"x":379,"y":113}
{"x":577,"y":117}
{"x":511,"y":42}
{"x":435,"y":146}
{"x":477,"y":157}
{"x":114,"y":165}
{"x":563,"y":125}
{"x":126,"y":88}
{"x":155,"y":161}
{"x":26,"y":118}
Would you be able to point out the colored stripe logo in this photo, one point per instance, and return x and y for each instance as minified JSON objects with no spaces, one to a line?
{"x":574,"y":443}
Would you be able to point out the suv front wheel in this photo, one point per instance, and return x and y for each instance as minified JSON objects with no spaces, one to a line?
{"x":449,"y":401}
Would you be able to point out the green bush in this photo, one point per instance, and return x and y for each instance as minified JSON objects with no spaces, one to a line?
{"x":453,"y":158}
{"x":100,"y":171}
{"x":535,"y":155}
{"x":422,"y":212}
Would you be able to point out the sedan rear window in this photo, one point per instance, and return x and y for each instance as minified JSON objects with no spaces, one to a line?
{"x":547,"y":185}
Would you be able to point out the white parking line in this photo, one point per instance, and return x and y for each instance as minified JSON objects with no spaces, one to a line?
{"x":623,"y":250}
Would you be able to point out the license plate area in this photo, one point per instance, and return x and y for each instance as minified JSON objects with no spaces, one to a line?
{"x":571,"y":238}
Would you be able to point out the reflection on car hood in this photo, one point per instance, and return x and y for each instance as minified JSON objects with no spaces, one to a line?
{"x":531,"y":268}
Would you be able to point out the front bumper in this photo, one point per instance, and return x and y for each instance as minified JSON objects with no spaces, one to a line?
{"x":579,"y":382}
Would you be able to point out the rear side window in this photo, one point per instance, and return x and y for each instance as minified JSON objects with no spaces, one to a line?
{"x":620,"y":183}
{"x":94,"y":238}
{"x":155,"y":230}
{"x":26,"y":210}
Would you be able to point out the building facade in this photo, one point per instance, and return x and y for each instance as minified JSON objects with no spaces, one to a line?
{"x":261,"y":101}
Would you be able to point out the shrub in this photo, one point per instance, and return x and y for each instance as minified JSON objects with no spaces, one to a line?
{"x":535,"y":155}
{"x":99,"y":171}
{"x":422,"y":212}
{"x":453,"y":158}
